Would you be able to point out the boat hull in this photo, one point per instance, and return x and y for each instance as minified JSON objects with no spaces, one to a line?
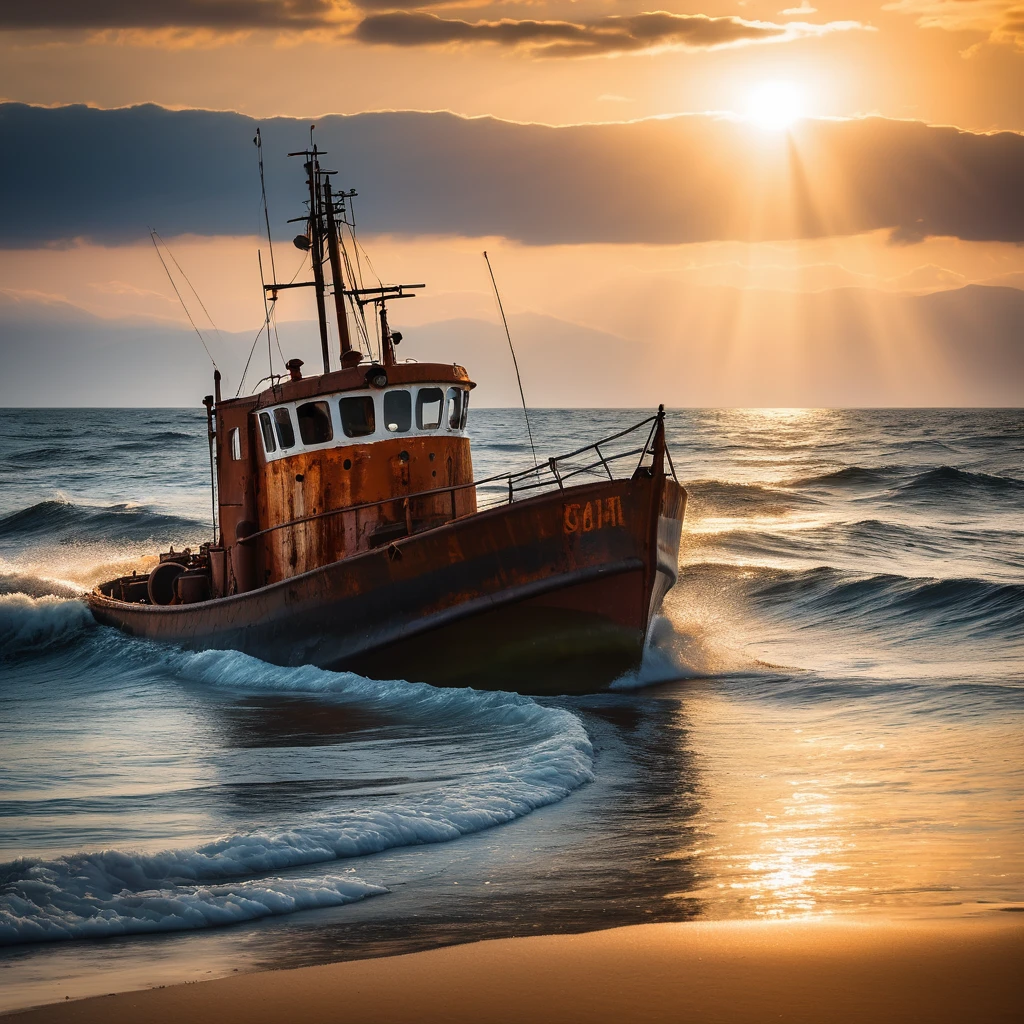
{"x":549,"y":595}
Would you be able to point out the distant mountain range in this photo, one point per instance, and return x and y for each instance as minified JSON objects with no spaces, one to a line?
{"x":712,"y":346}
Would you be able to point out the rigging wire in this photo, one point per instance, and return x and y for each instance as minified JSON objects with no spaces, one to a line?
{"x":241,"y":383}
{"x":189,"y":283}
{"x":259,"y":333}
{"x":515,"y":362}
{"x":153,"y":236}
{"x":358,"y":317}
{"x":258,"y":140}
{"x":266,"y":312}
{"x":351,"y":225}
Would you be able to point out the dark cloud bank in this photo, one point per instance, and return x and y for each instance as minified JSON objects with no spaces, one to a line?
{"x":612,"y":34}
{"x":107,"y":174}
{"x":227,"y":15}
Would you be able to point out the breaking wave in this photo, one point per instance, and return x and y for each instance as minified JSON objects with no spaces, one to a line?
{"x":33,"y":625}
{"x":84,"y":897}
{"x":543,"y":755}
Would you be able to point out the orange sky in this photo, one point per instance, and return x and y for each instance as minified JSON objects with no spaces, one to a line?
{"x":942,"y":61}
{"x":956,"y":62}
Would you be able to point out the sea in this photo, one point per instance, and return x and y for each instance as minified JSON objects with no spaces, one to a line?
{"x":829,"y":719}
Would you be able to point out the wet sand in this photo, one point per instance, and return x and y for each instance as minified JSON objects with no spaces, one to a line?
{"x":815,"y":971}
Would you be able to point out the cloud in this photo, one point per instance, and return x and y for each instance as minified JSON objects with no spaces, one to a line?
{"x":1011,"y":28}
{"x":107,"y":175}
{"x":227,"y":15}
{"x":614,"y":34}
{"x":1002,"y":21}
{"x":173,"y":22}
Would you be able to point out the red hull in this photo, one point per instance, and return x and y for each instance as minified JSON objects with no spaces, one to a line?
{"x":549,"y":595}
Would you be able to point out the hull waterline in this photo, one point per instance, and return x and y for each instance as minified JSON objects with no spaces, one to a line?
{"x":553,"y":594}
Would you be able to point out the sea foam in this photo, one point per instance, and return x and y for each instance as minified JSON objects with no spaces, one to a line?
{"x":32,"y":624}
{"x":545,"y":755}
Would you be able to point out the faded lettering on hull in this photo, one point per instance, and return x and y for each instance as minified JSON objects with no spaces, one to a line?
{"x":599,"y":514}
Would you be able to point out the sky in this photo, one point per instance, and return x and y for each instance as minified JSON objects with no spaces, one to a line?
{"x":700,"y":203}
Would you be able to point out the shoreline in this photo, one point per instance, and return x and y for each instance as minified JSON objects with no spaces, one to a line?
{"x":813,"y":970}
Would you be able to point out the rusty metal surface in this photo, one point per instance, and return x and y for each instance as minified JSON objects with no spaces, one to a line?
{"x":254,"y":494}
{"x":333,"y":478}
{"x":236,"y":491}
{"x":582,"y":570}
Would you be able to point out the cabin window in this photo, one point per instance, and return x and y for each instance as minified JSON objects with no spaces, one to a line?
{"x":357,"y":416}
{"x":267,"y":429}
{"x":236,"y":444}
{"x":429,"y":403}
{"x":465,"y":410}
{"x":285,"y":430}
{"x":454,"y":404}
{"x":315,"y":425}
{"x":398,"y":411}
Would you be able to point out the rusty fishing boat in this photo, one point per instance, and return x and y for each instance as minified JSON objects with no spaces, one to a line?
{"x":349,"y":532}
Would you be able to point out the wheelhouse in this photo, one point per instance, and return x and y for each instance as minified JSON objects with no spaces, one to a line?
{"x":431,"y":409}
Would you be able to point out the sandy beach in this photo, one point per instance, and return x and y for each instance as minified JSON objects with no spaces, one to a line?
{"x":814,"y":971}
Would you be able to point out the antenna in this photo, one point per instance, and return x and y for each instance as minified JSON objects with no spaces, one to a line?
{"x":266,"y":214}
{"x":515,"y":362}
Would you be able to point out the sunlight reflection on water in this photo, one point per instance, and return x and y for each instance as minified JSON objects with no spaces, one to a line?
{"x":848,"y":811}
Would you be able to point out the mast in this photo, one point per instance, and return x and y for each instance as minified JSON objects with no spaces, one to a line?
{"x":322,"y":229}
{"x":387,"y":343}
{"x":316,"y":237}
{"x":334,"y":251}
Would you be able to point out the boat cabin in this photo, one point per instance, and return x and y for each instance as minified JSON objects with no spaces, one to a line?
{"x":316,"y":469}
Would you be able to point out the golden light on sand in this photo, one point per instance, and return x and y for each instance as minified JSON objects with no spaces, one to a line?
{"x":775,"y":106}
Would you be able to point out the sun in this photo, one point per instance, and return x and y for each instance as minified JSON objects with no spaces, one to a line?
{"x":775,"y":106}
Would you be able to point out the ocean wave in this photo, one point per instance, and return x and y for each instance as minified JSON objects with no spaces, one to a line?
{"x":685,"y":650}
{"x":34,"y":456}
{"x":849,"y":476}
{"x":831,"y":596}
{"x":972,"y":605}
{"x":725,"y":497}
{"x":864,"y":543}
{"x":147,"y":442}
{"x":15,"y":581}
{"x":81,"y":898}
{"x":32,"y":625}
{"x":544,"y":754}
{"x":947,"y":481}
{"x":64,"y":521}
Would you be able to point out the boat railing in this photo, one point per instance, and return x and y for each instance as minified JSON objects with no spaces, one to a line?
{"x":506,"y":488}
